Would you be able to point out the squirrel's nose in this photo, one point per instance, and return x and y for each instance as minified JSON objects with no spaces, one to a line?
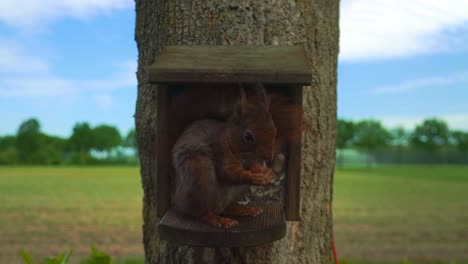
{"x":268,"y":156}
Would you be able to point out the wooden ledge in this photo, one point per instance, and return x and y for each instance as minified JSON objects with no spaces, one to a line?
{"x":251,"y":231}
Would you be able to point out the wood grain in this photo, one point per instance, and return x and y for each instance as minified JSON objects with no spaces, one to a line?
{"x":252,"y":231}
{"x":231,"y":64}
{"x":293,"y":195}
{"x":163,"y":152}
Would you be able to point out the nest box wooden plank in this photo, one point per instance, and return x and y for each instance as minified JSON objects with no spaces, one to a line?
{"x":231,"y":64}
{"x":284,"y":68}
{"x":268,"y":227}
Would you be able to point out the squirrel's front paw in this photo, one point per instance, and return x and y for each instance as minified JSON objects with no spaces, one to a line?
{"x":252,"y":211}
{"x":225,"y":222}
{"x":260,"y":178}
{"x":218,"y":221}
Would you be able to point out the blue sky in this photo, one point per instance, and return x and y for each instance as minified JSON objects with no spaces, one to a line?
{"x":72,"y":61}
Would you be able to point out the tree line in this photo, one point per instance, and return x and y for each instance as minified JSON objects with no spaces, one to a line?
{"x":432,"y":141}
{"x":102,"y":144}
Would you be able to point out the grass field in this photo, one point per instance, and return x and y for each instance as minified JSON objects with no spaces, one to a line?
{"x":391,"y":214}
{"x":381,"y":215}
{"x":52,"y":210}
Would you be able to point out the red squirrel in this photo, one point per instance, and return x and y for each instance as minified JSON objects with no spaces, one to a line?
{"x":216,"y":161}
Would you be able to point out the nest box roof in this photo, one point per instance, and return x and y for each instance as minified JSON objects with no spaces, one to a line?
{"x":231,"y":64}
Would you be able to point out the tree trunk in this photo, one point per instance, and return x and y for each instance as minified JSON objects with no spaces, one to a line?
{"x":269,"y":22}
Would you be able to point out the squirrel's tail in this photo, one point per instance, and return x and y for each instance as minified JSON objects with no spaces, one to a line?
{"x":288,"y":118}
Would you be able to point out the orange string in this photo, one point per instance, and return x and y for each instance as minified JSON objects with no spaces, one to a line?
{"x":335,"y":255}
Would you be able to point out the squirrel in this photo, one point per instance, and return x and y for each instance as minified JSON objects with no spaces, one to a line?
{"x":216,"y":161}
{"x":199,"y":101}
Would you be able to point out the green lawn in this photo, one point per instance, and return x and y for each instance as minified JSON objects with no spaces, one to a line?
{"x":391,"y":213}
{"x":52,"y":210}
{"x":381,"y":215}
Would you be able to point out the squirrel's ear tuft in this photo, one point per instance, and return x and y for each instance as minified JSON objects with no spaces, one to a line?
{"x":243,"y":99}
{"x":262,"y":96}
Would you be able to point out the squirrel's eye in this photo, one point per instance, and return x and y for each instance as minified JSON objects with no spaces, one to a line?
{"x":249,"y":137}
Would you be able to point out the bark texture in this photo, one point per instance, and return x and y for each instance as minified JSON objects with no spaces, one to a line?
{"x":266,"y":22}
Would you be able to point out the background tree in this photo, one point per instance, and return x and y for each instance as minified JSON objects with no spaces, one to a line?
{"x":8,"y":153}
{"x":52,"y":151}
{"x":212,"y":22}
{"x":370,"y":136}
{"x":31,"y":146}
{"x":28,"y":141}
{"x":460,"y":141}
{"x":106,"y":138}
{"x":430,"y":136}
{"x":344,"y":137}
{"x":81,"y":141}
{"x":399,"y":140}
{"x":130,"y":140}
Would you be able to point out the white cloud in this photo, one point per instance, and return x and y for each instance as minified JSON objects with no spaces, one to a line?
{"x":104,"y":101}
{"x":49,"y":84}
{"x":24,"y":86}
{"x":34,"y":13}
{"x":372,"y":29}
{"x":24,"y":75}
{"x":423,"y":83}
{"x":123,"y":77}
{"x":13,"y":59}
{"x":454,"y":120}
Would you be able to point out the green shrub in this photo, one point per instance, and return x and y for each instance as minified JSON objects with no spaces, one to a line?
{"x":96,"y":257}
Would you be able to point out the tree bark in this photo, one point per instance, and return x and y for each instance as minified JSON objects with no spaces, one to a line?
{"x":237,"y":22}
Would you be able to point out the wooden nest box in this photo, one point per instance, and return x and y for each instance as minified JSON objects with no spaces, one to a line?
{"x":283,"y":69}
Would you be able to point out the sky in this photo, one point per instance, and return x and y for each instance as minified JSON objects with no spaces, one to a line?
{"x":69,"y":61}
